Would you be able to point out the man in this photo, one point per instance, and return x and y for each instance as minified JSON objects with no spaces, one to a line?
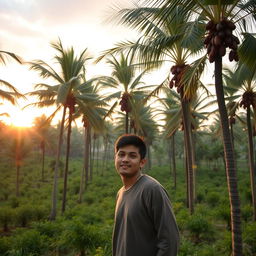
{"x":144,"y":222}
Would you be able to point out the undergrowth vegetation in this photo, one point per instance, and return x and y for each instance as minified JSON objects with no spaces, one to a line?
{"x":86,"y":228}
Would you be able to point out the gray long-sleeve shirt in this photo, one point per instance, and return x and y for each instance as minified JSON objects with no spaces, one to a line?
{"x":144,"y":221}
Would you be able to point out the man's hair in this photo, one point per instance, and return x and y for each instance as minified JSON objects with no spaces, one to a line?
{"x":134,"y":140}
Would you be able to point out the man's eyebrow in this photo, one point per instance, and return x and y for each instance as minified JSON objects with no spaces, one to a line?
{"x":129,"y":152}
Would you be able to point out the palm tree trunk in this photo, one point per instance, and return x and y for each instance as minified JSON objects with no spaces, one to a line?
{"x":251,"y":162}
{"x":234,"y":200}
{"x":174,"y":171}
{"x":56,"y":169}
{"x":65,"y":185}
{"x":189,"y":156}
{"x":126,"y":122}
{"x":86,"y":155}
{"x":43,"y":158}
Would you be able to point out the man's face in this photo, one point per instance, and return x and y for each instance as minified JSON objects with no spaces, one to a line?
{"x":128,"y":161}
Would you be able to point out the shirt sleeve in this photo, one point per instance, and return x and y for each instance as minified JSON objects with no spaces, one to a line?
{"x":164,"y":223}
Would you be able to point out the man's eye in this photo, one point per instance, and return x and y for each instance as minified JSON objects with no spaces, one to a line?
{"x":133,"y":156}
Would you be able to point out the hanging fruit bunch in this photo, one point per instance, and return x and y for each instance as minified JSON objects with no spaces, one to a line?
{"x":125,"y":102}
{"x":232,"y":120}
{"x":248,"y":99}
{"x":85,"y":122}
{"x":71,"y":101}
{"x":177,"y":71}
{"x":220,"y":36}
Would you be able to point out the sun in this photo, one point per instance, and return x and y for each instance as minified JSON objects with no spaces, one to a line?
{"x":19,"y":118}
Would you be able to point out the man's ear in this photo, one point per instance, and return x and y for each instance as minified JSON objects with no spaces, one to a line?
{"x":143,"y":162}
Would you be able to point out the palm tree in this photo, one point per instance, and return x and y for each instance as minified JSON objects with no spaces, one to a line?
{"x":42,"y":125}
{"x":69,"y":77}
{"x":125,"y":83}
{"x":243,"y":81}
{"x":92,"y":108}
{"x":18,"y":150}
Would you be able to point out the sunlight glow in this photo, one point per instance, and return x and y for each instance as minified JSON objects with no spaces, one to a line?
{"x":21,"y":119}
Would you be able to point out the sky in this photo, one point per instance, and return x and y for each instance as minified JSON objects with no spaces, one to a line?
{"x":27,"y":28}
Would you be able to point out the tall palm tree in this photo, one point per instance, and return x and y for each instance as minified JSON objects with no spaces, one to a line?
{"x":221,"y":16}
{"x":243,"y":81}
{"x":68,"y":78}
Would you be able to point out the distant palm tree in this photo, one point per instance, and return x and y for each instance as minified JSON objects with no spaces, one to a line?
{"x":68,"y":78}
{"x":42,"y":125}
{"x":18,"y":150}
{"x":125,"y":83}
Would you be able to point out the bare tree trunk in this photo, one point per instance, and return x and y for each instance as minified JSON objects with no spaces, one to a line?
{"x":174,"y":170}
{"x":56,"y":169}
{"x":251,"y":162}
{"x":64,"y":196}
{"x":43,"y":158}
{"x":237,"y":247}
{"x":126,"y":122}
{"x":189,"y":156}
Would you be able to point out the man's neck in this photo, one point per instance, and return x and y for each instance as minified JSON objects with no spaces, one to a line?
{"x":128,"y":182}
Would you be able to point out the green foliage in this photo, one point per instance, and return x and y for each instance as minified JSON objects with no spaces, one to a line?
{"x":5,"y":245}
{"x":223,"y":212}
{"x":28,"y":242}
{"x":249,"y":236}
{"x":79,"y":237}
{"x":23,"y":215}
{"x":200,"y":228}
{"x":6,"y":217}
{"x":213,"y":199}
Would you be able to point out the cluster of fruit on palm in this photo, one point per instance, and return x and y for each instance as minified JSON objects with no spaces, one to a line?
{"x":219,"y":37}
{"x":125,"y":102}
{"x":71,"y":102}
{"x":177,"y":72}
{"x":248,"y":99}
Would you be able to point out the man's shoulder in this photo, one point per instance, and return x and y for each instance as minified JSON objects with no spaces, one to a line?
{"x":150,"y":182}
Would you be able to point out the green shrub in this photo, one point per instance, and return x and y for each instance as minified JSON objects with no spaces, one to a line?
{"x":5,"y":245}
{"x":23,"y":215}
{"x":223,"y":212}
{"x":14,"y":202}
{"x":200,"y":228}
{"x":6,"y":217}
{"x":186,"y":248}
{"x":213,"y":199}
{"x":249,"y":237}
{"x":247,"y":212}
{"x":79,"y":237}
{"x":29,"y":242}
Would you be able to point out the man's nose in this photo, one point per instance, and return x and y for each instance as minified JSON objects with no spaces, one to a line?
{"x":125,"y":158}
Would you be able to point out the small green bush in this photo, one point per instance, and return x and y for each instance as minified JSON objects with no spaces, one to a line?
{"x":200,"y":228}
{"x":79,"y":237}
{"x":29,"y":242}
{"x":6,"y":217}
{"x":249,"y":236}
{"x":23,"y":215}
{"x":5,"y":245}
{"x":213,"y":199}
